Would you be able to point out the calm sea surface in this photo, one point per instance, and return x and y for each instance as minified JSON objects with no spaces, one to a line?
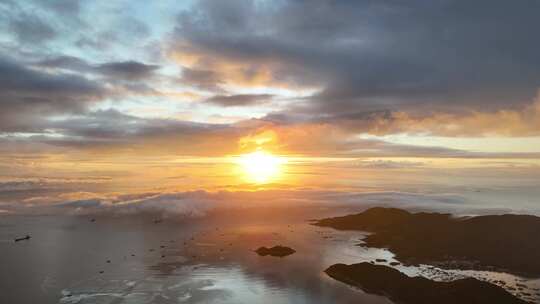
{"x":71,"y":259}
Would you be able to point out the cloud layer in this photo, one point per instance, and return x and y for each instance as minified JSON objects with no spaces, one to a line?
{"x":196,"y":204}
{"x":317,"y":74}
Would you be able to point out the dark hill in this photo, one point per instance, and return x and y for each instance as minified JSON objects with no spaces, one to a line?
{"x":383,"y":280}
{"x":506,"y":242}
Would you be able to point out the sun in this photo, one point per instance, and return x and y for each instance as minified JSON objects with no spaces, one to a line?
{"x":261,"y":167}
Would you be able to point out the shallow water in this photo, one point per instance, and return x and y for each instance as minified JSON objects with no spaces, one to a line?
{"x":197,"y":261}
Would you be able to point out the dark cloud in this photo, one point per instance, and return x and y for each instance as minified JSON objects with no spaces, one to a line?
{"x":377,"y":55}
{"x":31,"y":29}
{"x":127,"y":70}
{"x":131,"y":70}
{"x":112,"y":131}
{"x":69,"y":63}
{"x":240,"y":99}
{"x":27,"y":94}
{"x":206,"y":80}
{"x":123,"y":78}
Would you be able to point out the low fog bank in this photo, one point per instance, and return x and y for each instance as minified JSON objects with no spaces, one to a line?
{"x":196,"y":204}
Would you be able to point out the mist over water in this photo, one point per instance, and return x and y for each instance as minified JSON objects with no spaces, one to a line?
{"x":177,"y":190}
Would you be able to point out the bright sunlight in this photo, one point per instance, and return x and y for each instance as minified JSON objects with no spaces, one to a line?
{"x":260,"y":166}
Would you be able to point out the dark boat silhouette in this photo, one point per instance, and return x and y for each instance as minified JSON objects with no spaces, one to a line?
{"x":27,"y":237}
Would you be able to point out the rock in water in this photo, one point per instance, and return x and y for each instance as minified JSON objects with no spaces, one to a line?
{"x":389,"y":282}
{"x":277,"y":251}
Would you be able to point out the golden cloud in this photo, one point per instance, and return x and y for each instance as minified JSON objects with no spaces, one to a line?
{"x":506,"y":122}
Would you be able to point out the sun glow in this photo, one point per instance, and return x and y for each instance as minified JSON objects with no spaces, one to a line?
{"x":261,"y":167}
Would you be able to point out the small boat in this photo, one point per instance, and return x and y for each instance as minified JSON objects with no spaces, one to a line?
{"x":27,"y":237}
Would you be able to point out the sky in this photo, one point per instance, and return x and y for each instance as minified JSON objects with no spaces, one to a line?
{"x":168,"y":93}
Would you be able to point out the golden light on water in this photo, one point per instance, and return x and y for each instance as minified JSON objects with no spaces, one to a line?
{"x":261,"y":167}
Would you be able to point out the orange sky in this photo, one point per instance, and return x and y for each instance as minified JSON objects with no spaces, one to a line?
{"x":212,"y":95}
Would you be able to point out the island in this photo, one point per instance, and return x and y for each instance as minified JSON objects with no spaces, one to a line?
{"x":398,"y":287}
{"x":492,"y":242}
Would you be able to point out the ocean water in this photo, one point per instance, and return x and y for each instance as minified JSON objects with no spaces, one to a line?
{"x":132,"y":259}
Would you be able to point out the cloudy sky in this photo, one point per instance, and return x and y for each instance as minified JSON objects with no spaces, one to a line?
{"x":83,"y":82}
